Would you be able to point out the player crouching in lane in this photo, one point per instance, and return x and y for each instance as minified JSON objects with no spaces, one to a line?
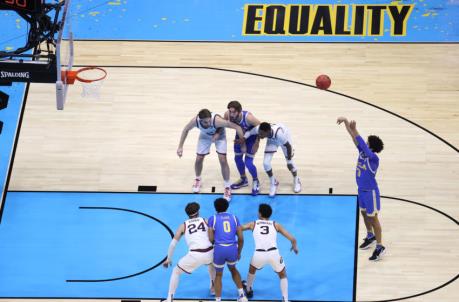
{"x":276,"y":135}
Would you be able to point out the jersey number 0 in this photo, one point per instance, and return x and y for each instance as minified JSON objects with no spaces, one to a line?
{"x":226,"y":227}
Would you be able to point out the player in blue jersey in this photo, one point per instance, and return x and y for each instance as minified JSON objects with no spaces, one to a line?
{"x":223,"y":230}
{"x":368,"y":191}
{"x":246,"y":121}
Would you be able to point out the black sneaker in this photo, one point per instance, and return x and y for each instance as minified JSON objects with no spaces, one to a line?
{"x":377,"y":253}
{"x":367,"y":242}
{"x":249,"y":294}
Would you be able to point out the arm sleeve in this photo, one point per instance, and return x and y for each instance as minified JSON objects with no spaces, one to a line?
{"x":361,"y":145}
{"x":171,"y":249}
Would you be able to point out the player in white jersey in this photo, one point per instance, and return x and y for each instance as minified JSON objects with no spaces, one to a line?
{"x":266,"y":252}
{"x":212,"y":127}
{"x":200,"y":249}
{"x":277,"y":135}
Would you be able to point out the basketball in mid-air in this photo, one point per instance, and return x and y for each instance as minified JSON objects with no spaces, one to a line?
{"x":323,"y":82}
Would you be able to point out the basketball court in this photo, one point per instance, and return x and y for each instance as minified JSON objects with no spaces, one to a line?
{"x":74,"y":225}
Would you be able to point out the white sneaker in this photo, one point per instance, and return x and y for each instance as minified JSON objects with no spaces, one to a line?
{"x":255,"y":187}
{"x":196,"y":186}
{"x":273,"y":188}
{"x":296,"y":184}
{"x":242,"y":298}
{"x":227,"y":194}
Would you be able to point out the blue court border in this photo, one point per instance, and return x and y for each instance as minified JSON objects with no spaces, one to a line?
{"x":171,"y":234}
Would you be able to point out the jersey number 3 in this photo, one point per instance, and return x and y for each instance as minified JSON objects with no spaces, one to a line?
{"x":264,"y":230}
{"x":193,"y":229}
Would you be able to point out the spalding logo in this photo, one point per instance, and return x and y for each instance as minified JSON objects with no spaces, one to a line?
{"x":10,"y":74}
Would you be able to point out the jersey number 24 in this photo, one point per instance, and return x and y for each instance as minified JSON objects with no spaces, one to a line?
{"x":193,"y":229}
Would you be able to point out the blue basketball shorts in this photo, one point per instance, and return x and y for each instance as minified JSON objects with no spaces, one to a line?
{"x":224,"y":254}
{"x":369,"y":201}
{"x":248,"y":143}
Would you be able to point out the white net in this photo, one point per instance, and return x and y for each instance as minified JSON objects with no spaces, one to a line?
{"x":92,"y":80}
{"x":92,"y":90}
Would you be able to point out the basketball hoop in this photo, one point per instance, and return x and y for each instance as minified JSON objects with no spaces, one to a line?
{"x":91,"y":78}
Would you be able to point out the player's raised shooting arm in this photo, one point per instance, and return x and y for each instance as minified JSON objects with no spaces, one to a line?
{"x":344,"y":120}
{"x":190,"y":125}
{"x":248,"y":226}
{"x":289,"y":236}
{"x":226,"y":116}
{"x":364,"y":147}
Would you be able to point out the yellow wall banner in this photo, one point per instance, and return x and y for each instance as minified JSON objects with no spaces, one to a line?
{"x":325,"y":19}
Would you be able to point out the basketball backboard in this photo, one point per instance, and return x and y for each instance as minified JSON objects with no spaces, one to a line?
{"x":48,"y":52}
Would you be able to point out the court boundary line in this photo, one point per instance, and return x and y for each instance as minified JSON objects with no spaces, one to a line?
{"x":356,"y":247}
{"x":13,"y":152}
{"x":288,"y":81}
{"x":176,"y":193}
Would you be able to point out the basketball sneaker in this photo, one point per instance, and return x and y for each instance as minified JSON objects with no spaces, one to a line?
{"x":273,"y":188}
{"x":242,"y":298}
{"x":367,"y":242}
{"x":378,"y":253}
{"x":227,"y":194}
{"x":242,"y":182}
{"x":248,"y":293}
{"x":255,"y":187}
{"x":296,"y":184}
{"x":196,"y":186}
